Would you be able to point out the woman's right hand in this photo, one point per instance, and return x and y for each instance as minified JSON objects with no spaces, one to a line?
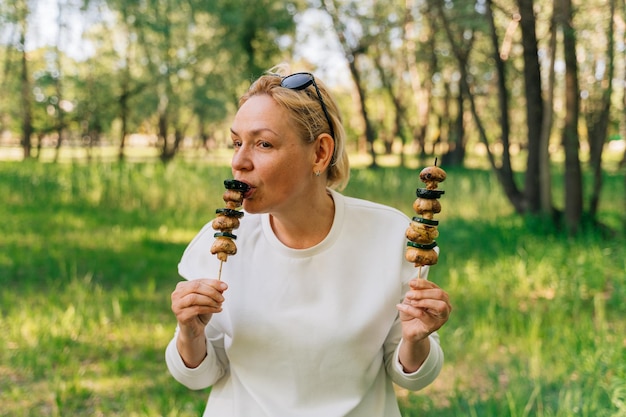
{"x":194,"y":302}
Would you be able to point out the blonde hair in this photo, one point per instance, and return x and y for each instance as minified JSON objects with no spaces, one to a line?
{"x":306,"y":111}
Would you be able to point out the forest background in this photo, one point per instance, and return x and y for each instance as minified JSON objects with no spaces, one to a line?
{"x":524,"y":100}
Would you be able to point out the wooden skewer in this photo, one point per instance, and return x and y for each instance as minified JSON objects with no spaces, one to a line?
{"x":219,"y":274}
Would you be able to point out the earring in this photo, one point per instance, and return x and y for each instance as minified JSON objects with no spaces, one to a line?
{"x":317,"y":173}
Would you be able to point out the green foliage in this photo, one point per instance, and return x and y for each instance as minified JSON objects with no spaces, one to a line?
{"x":88,"y":262}
{"x":166,"y":68}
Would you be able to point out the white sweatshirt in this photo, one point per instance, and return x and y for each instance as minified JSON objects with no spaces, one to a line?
{"x":307,"y":332}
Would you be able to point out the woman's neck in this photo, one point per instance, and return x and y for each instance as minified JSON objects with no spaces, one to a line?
{"x":305,"y":228}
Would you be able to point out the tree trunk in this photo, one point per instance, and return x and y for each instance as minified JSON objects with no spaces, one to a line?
{"x":128,"y":88}
{"x":410,"y":55}
{"x":504,"y":174}
{"x":599,"y":122}
{"x":571,"y":142}
{"x":545,"y":177}
{"x":27,"y":113}
{"x":506,"y":170}
{"x":352,"y":55}
{"x":369,"y":131}
{"x":60,"y":122}
{"x":124,"y":130}
{"x":163,"y":133}
{"x":534,"y":105}
{"x":456,"y":138}
{"x":458,"y":131}
{"x":399,"y":108}
{"x":424,"y":104}
{"x":623,"y":118}
{"x":40,"y":137}
{"x":422,"y":90}
{"x":123,"y":114}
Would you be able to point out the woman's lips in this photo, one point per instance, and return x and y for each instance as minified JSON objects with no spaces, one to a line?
{"x":250,"y":190}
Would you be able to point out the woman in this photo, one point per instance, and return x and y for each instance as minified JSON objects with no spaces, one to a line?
{"x":318,"y":313}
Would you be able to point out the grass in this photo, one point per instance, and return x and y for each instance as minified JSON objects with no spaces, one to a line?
{"x":88,"y":260}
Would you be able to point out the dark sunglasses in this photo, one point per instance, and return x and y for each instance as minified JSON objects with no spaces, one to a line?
{"x":300,"y":81}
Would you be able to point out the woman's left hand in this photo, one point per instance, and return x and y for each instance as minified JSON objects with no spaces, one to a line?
{"x":425,"y":308}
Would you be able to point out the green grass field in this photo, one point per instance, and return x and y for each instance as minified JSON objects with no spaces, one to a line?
{"x":88,"y":256}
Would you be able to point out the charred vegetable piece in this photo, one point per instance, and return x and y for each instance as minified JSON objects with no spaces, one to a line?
{"x":229,"y":212}
{"x":225,"y":234}
{"x":236,"y":185}
{"x":422,"y":245}
{"x":429,"y":194}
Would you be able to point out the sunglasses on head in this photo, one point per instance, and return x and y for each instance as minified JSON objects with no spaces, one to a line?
{"x":300,"y":81}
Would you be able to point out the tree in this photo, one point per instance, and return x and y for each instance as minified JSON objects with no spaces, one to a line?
{"x":598,"y":114}
{"x":506,"y":175}
{"x":192,"y":49}
{"x":57,"y":75}
{"x":570,"y":139}
{"x":128,"y":85}
{"x":504,"y":170}
{"x":535,"y":198}
{"x":545,"y":177}
{"x":404,"y":56}
{"x":534,"y":106}
{"x":420,"y":76}
{"x":19,"y":17}
{"x":444,"y":75}
{"x":248,"y":39}
{"x":354,"y":47}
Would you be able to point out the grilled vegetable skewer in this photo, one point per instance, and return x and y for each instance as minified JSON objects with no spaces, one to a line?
{"x":422,"y":230}
{"x":227,"y":220}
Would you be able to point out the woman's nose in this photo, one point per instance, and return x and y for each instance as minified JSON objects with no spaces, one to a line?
{"x":241,"y":159}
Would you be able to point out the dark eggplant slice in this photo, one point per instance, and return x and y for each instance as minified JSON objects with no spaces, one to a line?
{"x":422,"y":245}
{"x":426,"y":221}
{"x":225,"y":234}
{"x":428,"y":194}
{"x":229,"y":212}
{"x":236,"y":185}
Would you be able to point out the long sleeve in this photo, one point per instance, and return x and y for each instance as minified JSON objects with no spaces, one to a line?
{"x":426,"y":374}
{"x":204,"y":375}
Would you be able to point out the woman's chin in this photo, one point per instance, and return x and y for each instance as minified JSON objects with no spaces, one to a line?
{"x":250,"y":208}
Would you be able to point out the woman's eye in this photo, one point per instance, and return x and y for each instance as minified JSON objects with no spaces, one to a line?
{"x":265,"y":145}
{"x":236,"y":144}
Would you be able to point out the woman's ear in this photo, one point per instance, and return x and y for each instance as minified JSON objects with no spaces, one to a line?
{"x":324,"y":150}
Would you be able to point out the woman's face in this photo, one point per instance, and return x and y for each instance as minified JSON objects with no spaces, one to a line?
{"x":270,"y":157}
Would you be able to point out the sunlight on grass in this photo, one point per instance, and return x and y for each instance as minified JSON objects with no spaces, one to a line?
{"x":89,"y":261}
